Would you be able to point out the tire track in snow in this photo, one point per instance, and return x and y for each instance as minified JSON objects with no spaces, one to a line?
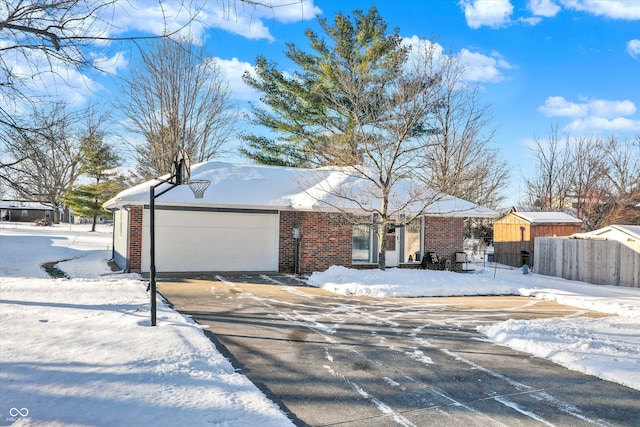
{"x":537,"y":393}
{"x":373,"y":317}
{"x":385,"y":409}
{"x":517,"y":408}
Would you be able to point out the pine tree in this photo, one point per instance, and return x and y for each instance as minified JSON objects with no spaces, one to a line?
{"x":316,"y":115}
{"x":98,"y":163}
{"x":358,"y":101}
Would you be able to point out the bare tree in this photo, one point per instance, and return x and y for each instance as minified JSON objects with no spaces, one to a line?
{"x":622,"y":181}
{"x":390,"y":120}
{"x":588,"y":171}
{"x":457,"y":159}
{"x":359,"y":100}
{"x":176,"y":98}
{"x":50,"y":37}
{"x":550,"y":188}
{"x":597,"y":179}
{"x":44,"y":158}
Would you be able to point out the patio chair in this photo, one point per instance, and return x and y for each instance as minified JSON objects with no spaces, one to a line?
{"x":431,"y":261}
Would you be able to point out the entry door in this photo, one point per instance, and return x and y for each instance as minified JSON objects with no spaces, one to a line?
{"x":391,"y":246}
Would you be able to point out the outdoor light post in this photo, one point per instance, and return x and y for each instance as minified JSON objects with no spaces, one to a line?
{"x":180,"y":174}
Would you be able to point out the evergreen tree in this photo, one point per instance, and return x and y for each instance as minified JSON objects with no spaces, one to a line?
{"x":316,"y":115}
{"x":98,"y":163}
{"x":358,"y":100}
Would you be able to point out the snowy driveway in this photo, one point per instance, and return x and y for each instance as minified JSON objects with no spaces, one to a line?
{"x":357,"y":361}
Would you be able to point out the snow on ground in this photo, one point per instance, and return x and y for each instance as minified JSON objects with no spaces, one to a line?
{"x":607,"y":347}
{"x":81,"y":351}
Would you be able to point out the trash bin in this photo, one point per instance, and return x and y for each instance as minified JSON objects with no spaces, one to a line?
{"x":490,"y":257}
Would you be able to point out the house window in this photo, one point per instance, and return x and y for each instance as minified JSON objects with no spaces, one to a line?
{"x":24,"y":213}
{"x":412,"y":232}
{"x":361,"y":243}
{"x":47,"y":214}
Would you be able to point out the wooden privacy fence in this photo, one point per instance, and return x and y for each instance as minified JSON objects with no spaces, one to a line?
{"x":602,"y":262}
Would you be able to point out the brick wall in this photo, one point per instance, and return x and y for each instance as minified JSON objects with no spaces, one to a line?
{"x":444,"y":236}
{"x":324,"y":241}
{"x":135,"y":239}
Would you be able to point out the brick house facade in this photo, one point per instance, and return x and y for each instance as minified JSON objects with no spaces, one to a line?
{"x":443,"y":235}
{"x":135,"y":239}
{"x":21,"y":211}
{"x":324,"y":240}
{"x":271,"y":218}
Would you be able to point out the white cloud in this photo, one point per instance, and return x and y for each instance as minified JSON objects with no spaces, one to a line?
{"x":483,"y":68}
{"x":531,"y":20}
{"x":420,"y":47}
{"x":546,"y":8}
{"x":603,"y":125}
{"x":593,"y":116}
{"x":498,"y":13}
{"x":246,"y":19}
{"x":558,"y":106}
{"x":615,"y":9}
{"x":633,"y":47}
{"x":246,"y":26}
{"x":611,"y":109}
{"x":477,"y":66}
{"x":232,"y":70}
{"x":111,"y":64}
{"x":288,"y":11}
{"x":490,"y":13}
{"x":40,"y":76}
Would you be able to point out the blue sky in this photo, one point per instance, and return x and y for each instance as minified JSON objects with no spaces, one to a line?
{"x":574,"y":64}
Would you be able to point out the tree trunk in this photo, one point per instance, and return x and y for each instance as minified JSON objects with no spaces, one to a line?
{"x":382,"y":257}
{"x":382,"y":232}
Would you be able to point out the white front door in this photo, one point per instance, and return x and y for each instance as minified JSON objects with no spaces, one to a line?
{"x":392,"y":247}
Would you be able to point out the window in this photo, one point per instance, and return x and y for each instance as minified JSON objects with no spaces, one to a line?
{"x":24,"y":213}
{"x":361,"y":243}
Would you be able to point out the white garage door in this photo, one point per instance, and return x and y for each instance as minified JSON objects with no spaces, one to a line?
{"x":215,"y":241}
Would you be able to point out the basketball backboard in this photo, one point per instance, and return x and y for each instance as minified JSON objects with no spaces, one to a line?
{"x":181,"y":168}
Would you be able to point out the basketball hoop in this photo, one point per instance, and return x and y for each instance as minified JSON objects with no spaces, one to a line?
{"x":198,"y":186}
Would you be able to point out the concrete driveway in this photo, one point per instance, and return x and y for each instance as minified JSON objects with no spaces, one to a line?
{"x":330,"y":360}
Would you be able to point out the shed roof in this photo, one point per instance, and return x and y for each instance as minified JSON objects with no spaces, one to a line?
{"x":547,"y":217}
{"x":276,"y":187}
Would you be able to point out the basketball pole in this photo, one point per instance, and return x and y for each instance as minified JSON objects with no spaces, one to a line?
{"x":174,"y":181}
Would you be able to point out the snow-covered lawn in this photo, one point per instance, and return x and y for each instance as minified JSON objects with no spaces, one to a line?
{"x":80,"y":351}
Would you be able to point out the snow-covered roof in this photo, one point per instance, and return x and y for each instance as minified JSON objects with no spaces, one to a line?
{"x":275,"y":187}
{"x":612,"y":232}
{"x":547,"y":217}
{"x":19,"y":204}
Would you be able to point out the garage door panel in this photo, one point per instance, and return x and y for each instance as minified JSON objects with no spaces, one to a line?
{"x":214,"y":241}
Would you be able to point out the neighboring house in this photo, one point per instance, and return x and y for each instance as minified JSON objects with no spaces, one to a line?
{"x":514,"y":234}
{"x":259,"y":218}
{"x":607,"y":256}
{"x":22,"y":211}
{"x":625,"y":234}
